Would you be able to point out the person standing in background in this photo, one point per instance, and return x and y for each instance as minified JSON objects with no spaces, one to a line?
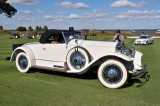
{"x":119,"y":37}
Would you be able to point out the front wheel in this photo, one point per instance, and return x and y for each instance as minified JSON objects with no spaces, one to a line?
{"x":22,"y":62}
{"x":112,"y":74}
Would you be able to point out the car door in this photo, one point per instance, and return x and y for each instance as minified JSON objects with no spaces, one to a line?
{"x":54,"y":52}
{"x":50,"y":52}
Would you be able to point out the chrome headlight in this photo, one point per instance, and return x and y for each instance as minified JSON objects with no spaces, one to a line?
{"x":132,"y":51}
{"x":128,"y":51}
{"x":125,"y":51}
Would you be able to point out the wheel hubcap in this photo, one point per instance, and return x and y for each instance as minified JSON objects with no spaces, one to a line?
{"x":23,"y":62}
{"x":112,"y":74}
{"x":77,"y":60}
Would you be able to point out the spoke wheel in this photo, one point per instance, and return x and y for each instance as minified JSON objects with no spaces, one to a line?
{"x":22,"y":62}
{"x":77,"y":59}
{"x":112,"y":74}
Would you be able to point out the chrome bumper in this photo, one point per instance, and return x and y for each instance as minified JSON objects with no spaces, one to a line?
{"x":140,"y":73}
{"x":138,"y":70}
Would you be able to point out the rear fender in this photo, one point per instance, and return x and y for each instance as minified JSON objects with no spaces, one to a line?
{"x":26,"y":50}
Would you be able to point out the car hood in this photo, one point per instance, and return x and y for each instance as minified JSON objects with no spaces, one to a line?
{"x":93,"y":43}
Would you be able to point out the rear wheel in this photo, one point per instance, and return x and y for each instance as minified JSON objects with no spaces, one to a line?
{"x":112,"y":74}
{"x":22,"y":62}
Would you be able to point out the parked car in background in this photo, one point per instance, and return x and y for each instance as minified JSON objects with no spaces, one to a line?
{"x":14,"y":36}
{"x":71,"y":53}
{"x":31,"y":36}
{"x":158,"y":31}
{"x":144,"y":39}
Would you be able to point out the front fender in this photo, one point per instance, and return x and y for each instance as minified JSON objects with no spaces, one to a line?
{"x":26,"y":50}
{"x":115,"y":55}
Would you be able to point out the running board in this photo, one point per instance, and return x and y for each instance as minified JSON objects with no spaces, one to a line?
{"x":51,"y":68}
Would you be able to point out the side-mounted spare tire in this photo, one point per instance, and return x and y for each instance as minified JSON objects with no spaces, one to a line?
{"x":77,"y":59}
{"x":22,"y":62}
{"x":112,"y":74}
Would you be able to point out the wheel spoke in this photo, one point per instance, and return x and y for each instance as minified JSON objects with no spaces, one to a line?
{"x":23,"y":62}
{"x":112,"y":74}
{"x":77,"y":60}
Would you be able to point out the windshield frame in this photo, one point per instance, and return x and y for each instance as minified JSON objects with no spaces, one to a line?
{"x":66,"y":35}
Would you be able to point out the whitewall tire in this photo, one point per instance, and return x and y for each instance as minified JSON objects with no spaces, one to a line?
{"x":22,"y":62}
{"x":112,"y":74}
{"x":77,"y":59}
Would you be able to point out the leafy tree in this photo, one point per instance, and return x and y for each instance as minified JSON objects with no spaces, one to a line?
{"x":21,"y":28}
{"x":38,"y":28}
{"x":7,"y":8}
{"x":1,"y":27}
{"x":45,"y":28}
{"x":30,"y":28}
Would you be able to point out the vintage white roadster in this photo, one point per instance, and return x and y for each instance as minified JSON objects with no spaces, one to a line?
{"x":73,"y":54}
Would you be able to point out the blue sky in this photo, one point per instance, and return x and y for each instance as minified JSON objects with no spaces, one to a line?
{"x":84,"y":14}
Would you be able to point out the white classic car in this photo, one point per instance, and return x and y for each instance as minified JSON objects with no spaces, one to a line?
{"x":73,"y":54}
{"x":144,"y":39}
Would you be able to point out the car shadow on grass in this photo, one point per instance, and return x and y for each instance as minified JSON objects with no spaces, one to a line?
{"x":91,"y":75}
{"x":88,"y":75}
{"x":140,"y":81}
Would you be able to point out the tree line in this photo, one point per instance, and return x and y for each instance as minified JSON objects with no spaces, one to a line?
{"x":37,"y":28}
{"x":1,"y":27}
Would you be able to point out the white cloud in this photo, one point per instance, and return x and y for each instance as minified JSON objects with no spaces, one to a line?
{"x":74,"y":16}
{"x":61,"y":12}
{"x":29,"y":12}
{"x":23,"y":2}
{"x":123,"y":16}
{"x":26,"y":12}
{"x":39,"y":11}
{"x":145,"y":12}
{"x":24,"y":18}
{"x":80,"y":5}
{"x":97,"y":11}
{"x":157,"y":16}
{"x":53,"y":18}
{"x":50,"y":17}
{"x":126,"y":3}
{"x":95,"y":14}
{"x":68,"y":4}
{"x":137,"y":14}
{"x":127,"y":16}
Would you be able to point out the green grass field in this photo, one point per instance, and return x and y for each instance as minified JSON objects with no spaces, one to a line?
{"x":44,"y":88}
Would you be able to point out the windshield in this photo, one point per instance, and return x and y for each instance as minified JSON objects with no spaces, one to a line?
{"x":71,"y":35}
{"x":143,"y":37}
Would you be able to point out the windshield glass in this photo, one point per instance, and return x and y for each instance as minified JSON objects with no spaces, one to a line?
{"x":71,"y":35}
{"x":143,"y":37}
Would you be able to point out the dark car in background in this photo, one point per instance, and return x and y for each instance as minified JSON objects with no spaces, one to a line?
{"x":14,"y":36}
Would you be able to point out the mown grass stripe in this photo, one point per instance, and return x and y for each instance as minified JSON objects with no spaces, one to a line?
{"x":55,"y":83}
